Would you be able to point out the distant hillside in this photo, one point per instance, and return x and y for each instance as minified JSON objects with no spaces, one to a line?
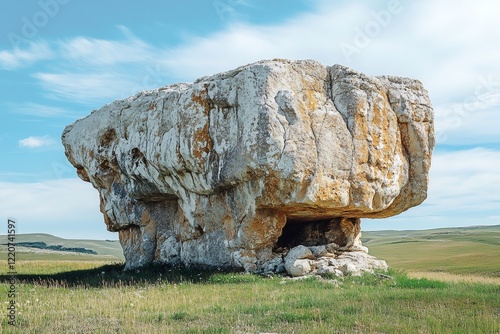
{"x":482,"y":234}
{"x":39,"y":245}
{"x":43,"y":245}
{"x":464,"y":250}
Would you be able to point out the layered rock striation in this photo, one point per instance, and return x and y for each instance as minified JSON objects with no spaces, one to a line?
{"x":236,"y":169}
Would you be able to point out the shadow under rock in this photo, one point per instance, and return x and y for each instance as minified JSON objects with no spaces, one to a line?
{"x":114,"y":275}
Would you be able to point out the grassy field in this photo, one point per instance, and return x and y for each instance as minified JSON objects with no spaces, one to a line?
{"x":461,"y":251}
{"x":158,"y":300}
{"x":87,"y":294}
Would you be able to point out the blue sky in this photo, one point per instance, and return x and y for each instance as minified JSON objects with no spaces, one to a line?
{"x":60,"y":59}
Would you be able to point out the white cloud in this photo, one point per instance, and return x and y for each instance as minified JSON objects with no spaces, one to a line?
{"x":66,"y":207}
{"x":10,"y":60}
{"x":87,"y":87}
{"x":309,"y":36}
{"x":474,"y":119}
{"x":102,"y":70}
{"x":36,"y":142}
{"x":467,"y":126}
{"x":40,"y":110}
{"x":417,"y":39}
{"x":104,"y":52}
{"x":466,"y":179}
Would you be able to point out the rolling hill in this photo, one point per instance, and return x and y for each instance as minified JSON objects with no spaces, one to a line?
{"x":30,"y":247}
{"x":466,"y":250}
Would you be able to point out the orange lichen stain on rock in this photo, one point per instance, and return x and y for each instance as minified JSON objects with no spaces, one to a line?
{"x":377,"y":120}
{"x":380,"y":120}
{"x":82,"y":151}
{"x":360,"y":133}
{"x":247,"y":253}
{"x":311,"y":99}
{"x":229,"y":227}
{"x":385,"y":141}
{"x":202,"y":100}
{"x":106,"y":139}
{"x":329,"y":192}
{"x":270,"y":195}
{"x":202,"y":143}
{"x":304,"y":186}
{"x":130,"y":236}
{"x":265,"y":228}
{"x":309,"y":91}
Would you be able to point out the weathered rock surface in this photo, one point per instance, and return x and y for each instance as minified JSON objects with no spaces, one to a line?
{"x":235,"y":169}
{"x":301,"y":261}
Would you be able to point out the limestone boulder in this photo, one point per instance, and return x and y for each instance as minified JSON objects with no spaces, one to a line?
{"x":296,"y":263}
{"x":235,"y":168}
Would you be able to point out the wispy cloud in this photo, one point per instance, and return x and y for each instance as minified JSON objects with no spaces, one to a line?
{"x":16,"y":58}
{"x":40,"y":110}
{"x":96,"y":70}
{"x":93,"y":51}
{"x":36,"y":142}
{"x":87,"y":87}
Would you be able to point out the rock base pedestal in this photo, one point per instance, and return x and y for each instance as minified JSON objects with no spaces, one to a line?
{"x":324,"y":259}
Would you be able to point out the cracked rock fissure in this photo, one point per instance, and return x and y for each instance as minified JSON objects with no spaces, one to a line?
{"x":265,"y":168}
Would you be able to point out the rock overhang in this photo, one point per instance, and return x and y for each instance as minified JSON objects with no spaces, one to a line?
{"x":212,"y":172}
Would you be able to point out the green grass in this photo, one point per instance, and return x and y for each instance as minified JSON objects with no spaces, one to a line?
{"x":104,"y":299}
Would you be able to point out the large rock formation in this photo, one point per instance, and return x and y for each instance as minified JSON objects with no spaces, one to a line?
{"x":235,"y":169}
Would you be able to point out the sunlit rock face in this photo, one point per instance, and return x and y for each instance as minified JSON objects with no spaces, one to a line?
{"x":236,"y":169}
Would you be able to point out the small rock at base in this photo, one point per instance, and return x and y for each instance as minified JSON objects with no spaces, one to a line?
{"x":299,"y":268}
{"x":318,"y":250}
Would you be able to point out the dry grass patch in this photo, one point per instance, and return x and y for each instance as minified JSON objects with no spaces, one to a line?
{"x":447,"y":277}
